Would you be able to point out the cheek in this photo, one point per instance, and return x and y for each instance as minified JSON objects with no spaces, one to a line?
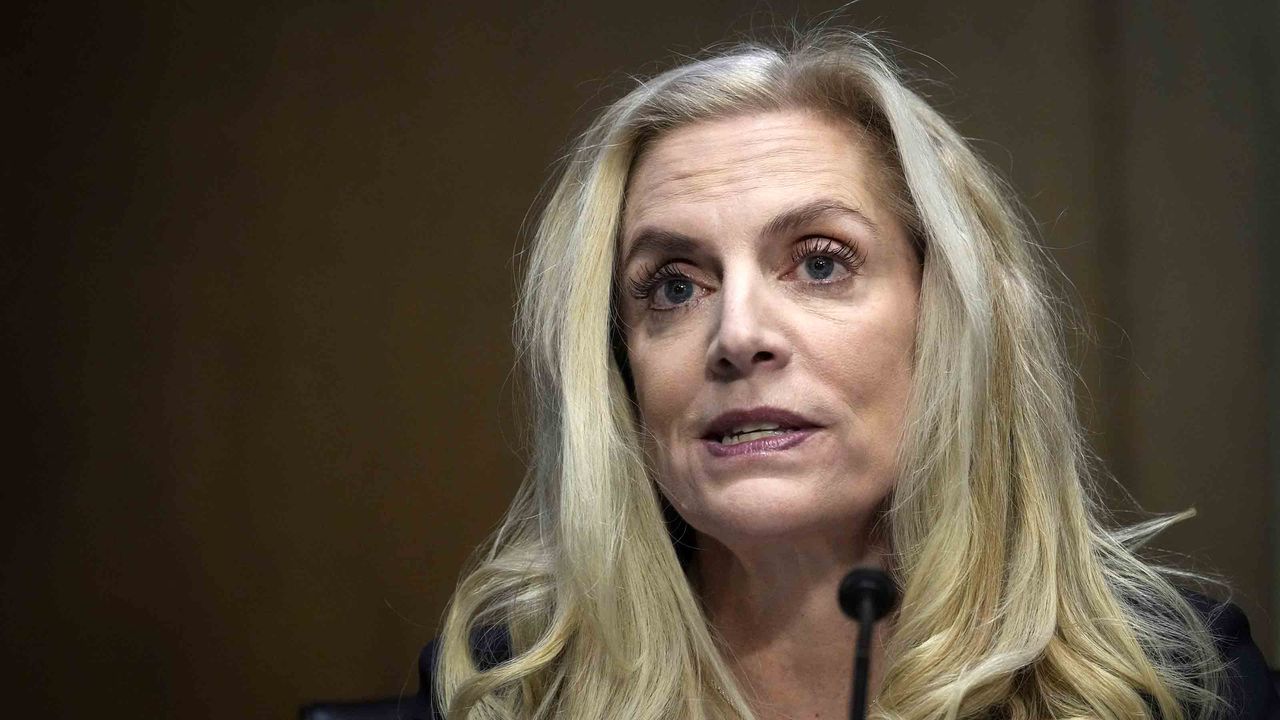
{"x":889,"y":331}
{"x":870,"y":367}
{"x":666,"y":373}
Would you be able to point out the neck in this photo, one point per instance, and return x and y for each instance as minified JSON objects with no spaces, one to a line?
{"x":775,"y":607}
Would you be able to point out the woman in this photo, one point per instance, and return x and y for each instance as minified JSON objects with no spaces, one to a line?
{"x":781,"y":321}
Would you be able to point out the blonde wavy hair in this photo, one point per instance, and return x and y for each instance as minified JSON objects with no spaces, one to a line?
{"x":1017,"y":601}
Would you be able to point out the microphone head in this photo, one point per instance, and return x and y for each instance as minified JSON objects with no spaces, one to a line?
{"x":867,"y":583}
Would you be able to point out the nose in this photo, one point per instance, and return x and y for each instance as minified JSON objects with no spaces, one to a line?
{"x":748,"y":337}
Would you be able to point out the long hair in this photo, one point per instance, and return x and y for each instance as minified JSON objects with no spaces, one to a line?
{"x":1017,"y":601}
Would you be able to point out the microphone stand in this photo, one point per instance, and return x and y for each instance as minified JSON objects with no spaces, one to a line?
{"x":866,"y":595}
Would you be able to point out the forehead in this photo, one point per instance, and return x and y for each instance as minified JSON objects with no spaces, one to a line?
{"x":749,"y":162}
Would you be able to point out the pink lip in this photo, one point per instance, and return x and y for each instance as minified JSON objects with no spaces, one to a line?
{"x":797,"y":429}
{"x":724,"y":422}
{"x":775,"y":443}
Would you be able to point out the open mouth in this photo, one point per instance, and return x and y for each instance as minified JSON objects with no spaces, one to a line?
{"x":747,"y":434}
{"x":761,"y":429}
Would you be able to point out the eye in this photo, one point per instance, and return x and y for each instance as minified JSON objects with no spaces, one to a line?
{"x":819,"y":267}
{"x":824,"y":260}
{"x":666,"y":288}
{"x":676,"y":291}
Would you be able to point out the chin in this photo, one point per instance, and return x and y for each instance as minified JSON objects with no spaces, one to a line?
{"x":772,"y":510}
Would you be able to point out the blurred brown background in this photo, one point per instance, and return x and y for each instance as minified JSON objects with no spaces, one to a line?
{"x":256,"y":284}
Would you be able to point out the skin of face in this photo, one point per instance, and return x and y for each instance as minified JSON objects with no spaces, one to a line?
{"x":760,"y":266}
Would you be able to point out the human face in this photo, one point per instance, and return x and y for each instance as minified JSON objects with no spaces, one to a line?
{"x":765,"y":283}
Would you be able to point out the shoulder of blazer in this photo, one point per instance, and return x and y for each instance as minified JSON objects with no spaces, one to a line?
{"x":1251,"y":689}
{"x":489,"y":647}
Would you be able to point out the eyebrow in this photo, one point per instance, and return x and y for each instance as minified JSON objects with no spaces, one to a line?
{"x":660,"y":242}
{"x":665,"y":242}
{"x":796,"y":218}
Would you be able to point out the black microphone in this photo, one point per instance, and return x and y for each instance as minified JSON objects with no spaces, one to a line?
{"x":866,"y":595}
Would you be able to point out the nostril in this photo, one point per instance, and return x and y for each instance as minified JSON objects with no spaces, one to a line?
{"x":730,"y":364}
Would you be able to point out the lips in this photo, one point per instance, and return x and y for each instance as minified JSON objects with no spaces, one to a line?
{"x":761,"y":429}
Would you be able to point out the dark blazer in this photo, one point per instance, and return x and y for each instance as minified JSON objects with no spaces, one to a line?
{"x":1251,"y":688}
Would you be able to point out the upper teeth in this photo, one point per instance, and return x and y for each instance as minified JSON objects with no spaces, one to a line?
{"x":747,"y":433}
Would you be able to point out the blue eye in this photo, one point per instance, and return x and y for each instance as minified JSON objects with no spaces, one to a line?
{"x":677,"y":291}
{"x":820,"y":267}
{"x":823,"y":260}
{"x":666,"y":288}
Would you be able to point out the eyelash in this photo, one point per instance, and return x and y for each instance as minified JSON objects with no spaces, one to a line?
{"x":850,"y":256}
{"x":650,"y":278}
